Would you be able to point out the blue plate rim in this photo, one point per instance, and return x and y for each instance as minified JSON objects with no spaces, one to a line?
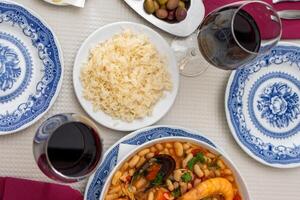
{"x":61,"y":59}
{"x":233,"y":131}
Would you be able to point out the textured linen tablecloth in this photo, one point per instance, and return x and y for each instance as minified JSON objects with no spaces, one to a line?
{"x":199,"y":105}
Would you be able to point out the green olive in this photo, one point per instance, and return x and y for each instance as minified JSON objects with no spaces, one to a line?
{"x":172,"y":4}
{"x":156,"y":5}
{"x":149,"y":6}
{"x":163,"y":7}
{"x":162,"y":2}
{"x":161,"y":13}
{"x":181,"y":4}
{"x":180,"y":14}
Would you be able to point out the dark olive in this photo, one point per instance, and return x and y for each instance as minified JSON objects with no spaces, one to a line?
{"x":171,"y":15}
{"x":180,"y":14}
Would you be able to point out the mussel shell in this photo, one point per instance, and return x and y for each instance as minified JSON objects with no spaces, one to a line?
{"x":167,"y":163}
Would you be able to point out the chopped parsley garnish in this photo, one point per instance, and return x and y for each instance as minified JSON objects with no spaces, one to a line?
{"x":158,"y":180}
{"x":198,"y":158}
{"x":186,"y":177}
{"x":176,"y":193}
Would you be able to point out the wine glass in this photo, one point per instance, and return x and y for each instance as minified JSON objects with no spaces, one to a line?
{"x":229,"y":37}
{"x":67,"y":147}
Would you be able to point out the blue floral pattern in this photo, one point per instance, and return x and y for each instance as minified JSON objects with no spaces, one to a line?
{"x":279,"y":105}
{"x":47,"y":52}
{"x":16,"y":90}
{"x":9,"y":67}
{"x":260,"y":122}
{"x":266,"y":152}
{"x":93,"y":190}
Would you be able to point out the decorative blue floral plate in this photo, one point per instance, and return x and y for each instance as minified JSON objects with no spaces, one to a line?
{"x":30,"y":67}
{"x":263,"y":107}
{"x":97,"y":181}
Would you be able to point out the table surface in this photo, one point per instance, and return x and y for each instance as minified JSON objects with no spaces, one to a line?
{"x":199,"y":105}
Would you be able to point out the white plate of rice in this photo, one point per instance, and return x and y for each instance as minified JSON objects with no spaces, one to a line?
{"x":125,"y":76}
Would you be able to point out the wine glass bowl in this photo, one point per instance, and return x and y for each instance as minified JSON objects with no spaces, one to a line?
{"x":67,"y":147}
{"x":230,"y":37}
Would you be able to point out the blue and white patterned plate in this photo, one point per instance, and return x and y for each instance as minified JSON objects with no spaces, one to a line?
{"x":97,"y":181}
{"x":30,"y":67}
{"x":263,"y":107}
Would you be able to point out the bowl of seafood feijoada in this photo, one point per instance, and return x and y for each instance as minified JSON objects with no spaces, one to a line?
{"x":176,"y":168}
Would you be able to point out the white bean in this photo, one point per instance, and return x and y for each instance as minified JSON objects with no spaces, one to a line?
{"x":141,"y":162}
{"x":134,"y":161}
{"x":125,"y":166}
{"x":115,"y":189}
{"x":186,"y":160}
{"x":186,"y":146}
{"x":159,"y":147}
{"x":144,"y":152}
{"x":210,"y":155}
{"x":153,"y":149}
{"x":111,"y":196}
{"x":151,"y":196}
{"x":218,"y":173}
{"x":227,"y":172}
{"x":221,"y":164}
{"x":149,"y":155}
{"x":230,"y":178}
{"x":198,"y":171}
{"x":170,"y":185}
{"x":116,"y":178}
{"x":169,"y":145}
{"x":140,"y":183}
{"x":183,"y":187}
{"x":206,"y":172}
{"x":178,"y":149}
{"x":177,"y":175}
{"x":131,"y":172}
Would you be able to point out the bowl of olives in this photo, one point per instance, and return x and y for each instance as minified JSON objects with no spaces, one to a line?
{"x":177,"y":17}
{"x":172,"y":11}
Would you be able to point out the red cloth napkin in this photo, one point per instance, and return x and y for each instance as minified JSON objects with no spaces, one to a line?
{"x":290,"y":27}
{"x":17,"y":189}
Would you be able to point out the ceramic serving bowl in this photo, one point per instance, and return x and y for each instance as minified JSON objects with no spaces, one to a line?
{"x":240,"y":182}
{"x":184,"y":28}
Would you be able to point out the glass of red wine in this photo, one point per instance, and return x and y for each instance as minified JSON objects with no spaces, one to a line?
{"x":67,"y":147}
{"x":229,"y":37}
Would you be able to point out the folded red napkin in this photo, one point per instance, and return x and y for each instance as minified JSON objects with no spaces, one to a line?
{"x":290,"y":27}
{"x":16,"y":189}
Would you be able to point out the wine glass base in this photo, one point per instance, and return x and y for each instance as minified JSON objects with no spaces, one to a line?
{"x":190,"y":61}
{"x":194,"y":67}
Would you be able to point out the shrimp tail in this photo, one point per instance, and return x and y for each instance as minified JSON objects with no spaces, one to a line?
{"x":210,"y":187}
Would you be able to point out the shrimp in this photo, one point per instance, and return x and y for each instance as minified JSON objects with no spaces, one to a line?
{"x":210,"y":187}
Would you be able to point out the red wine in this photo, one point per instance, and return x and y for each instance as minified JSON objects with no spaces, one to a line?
{"x":73,"y":149}
{"x":246,"y":31}
{"x":222,"y":48}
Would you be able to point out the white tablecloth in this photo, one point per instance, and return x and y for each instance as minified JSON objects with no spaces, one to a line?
{"x":199,"y":105}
